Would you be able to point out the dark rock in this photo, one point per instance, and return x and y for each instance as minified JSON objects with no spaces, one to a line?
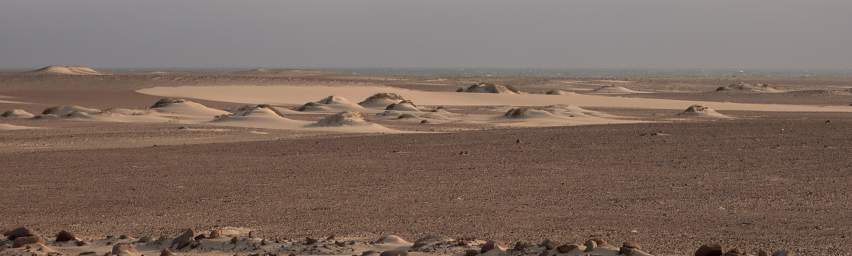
{"x":309,"y":240}
{"x":123,"y":237}
{"x":430,"y":240}
{"x":548,"y":244}
{"x":591,"y":245}
{"x":27,"y":240}
{"x":709,"y":250}
{"x":19,"y":232}
{"x":184,"y":240}
{"x":65,"y":236}
{"x":145,"y":239}
{"x":214,"y":234}
{"x":734,"y":252}
{"x":370,"y":253}
{"x":491,"y":245}
{"x":167,"y":252}
{"x":566,"y":248}
{"x":394,"y":253}
{"x":124,"y":249}
{"x":782,"y":253}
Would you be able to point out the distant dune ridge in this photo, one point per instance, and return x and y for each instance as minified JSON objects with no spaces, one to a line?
{"x":489,"y":88}
{"x":66,"y":70}
{"x":614,"y":89}
{"x":747,"y":87}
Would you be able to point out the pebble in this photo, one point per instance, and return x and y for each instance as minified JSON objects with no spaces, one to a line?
{"x":124,"y":249}
{"x":184,"y":240}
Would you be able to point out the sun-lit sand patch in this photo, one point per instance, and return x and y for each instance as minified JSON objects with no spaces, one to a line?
{"x":66,"y":70}
{"x":291,"y":95}
{"x":11,"y":127}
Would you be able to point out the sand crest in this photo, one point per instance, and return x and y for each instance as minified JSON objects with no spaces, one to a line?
{"x":614,"y":89}
{"x":259,"y":116}
{"x":66,"y":70}
{"x":381,"y":100}
{"x":181,"y":108}
{"x":67,"y":111}
{"x":489,"y":88}
{"x":405,"y":105}
{"x":330,"y":104}
{"x":16,"y":113}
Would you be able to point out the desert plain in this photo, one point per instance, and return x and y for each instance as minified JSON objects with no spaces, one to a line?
{"x":333,"y":162}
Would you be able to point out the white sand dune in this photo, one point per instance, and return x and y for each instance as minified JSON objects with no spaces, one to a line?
{"x":330,"y":104}
{"x":16,"y":113}
{"x":11,"y":127}
{"x":702,"y":111}
{"x":66,"y":70}
{"x":292,"y":94}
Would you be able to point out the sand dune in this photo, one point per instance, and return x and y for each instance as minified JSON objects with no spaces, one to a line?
{"x":330,"y":104}
{"x":558,"y":92}
{"x":702,"y":111}
{"x":614,"y":89}
{"x":405,"y":105}
{"x":259,"y":116}
{"x":350,"y":121}
{"x":11,"y":127}
{"x":66,"y":70}
{"x":285,"y":94}
{"x":381,"y":100}
{"x":489,"y":88}
{"x":747,"y":87}
{"x":16,"y":113}
{"x":557,"y":115}
{"x":181,"y":108}
{"x":67,"y":111}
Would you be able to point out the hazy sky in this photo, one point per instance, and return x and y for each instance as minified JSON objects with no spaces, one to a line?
{"x":436,"y":33}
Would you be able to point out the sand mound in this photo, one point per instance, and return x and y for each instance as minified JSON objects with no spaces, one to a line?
{"x":11,"y":127}
{"x":330,"y":104}
{"x":747,"y":87}
{"x":381,"y":100}
{"x":558,"y":92}
{"x":66,"y":70}
{"x":259,"y":116}
{"x":488,"y":88}
{"x":553,"y":111}
{"x":614,"y":89}
{"x":348,"y":118}
{"x":185,"y":108}
{"x":17,"y":113}
{"x":68,"y":111}
{"x":405,"y":105}
{"x":702,"y":111}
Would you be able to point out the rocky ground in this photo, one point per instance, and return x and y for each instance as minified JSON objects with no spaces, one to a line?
{"x":761,"y":181}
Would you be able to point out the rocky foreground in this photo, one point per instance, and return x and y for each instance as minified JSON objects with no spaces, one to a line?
{"x":241,"y":241}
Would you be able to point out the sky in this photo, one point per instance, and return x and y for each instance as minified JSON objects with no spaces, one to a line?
{"x":772,"y":34}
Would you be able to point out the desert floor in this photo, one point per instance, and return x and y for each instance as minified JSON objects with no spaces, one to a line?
{"x":766,"y":176}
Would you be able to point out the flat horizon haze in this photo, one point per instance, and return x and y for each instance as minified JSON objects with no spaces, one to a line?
{"x":783,"y":34}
